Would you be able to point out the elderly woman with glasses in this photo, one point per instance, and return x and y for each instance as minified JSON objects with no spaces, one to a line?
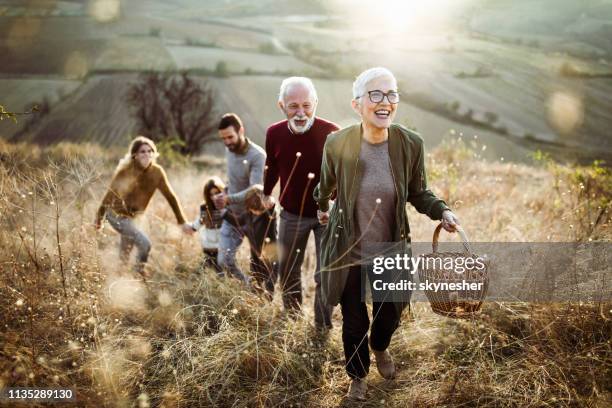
{"x":374,"y":168}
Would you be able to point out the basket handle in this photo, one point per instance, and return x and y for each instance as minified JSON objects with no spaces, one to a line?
{"x":464,"y":238}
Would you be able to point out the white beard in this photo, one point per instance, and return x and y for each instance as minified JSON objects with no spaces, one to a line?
{"x":302,"y":129}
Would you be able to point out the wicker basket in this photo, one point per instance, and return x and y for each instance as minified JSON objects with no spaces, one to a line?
{"x":460,"y":303}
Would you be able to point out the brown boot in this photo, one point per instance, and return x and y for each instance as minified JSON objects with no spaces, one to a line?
{"x":385,"y":365}
{"x":357,"y":390}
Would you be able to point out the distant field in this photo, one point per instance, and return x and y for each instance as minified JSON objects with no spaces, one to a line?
{"x":190,"y":29}
{"x":579,"y":27}
{"x":230,"y":37}
{"x":134,"y":54}
{"x":43,"y":9}
{"x":45,"y":45}
{"x":237,"y":61}
{"x":128,"y":43}
{"x":97,"y":113}
{"x":439,"y":69}
{"x":19,"y":94}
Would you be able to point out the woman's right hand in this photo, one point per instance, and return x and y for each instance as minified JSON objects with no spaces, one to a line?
{"x":449,"y":221}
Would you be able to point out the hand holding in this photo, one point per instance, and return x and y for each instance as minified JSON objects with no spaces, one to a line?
{"x":187,"y":229}
{"x":449,"y":221}
{"x":269,"y":202}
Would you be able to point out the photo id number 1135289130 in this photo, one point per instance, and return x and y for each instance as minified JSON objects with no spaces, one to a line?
{"x":37,"y":394}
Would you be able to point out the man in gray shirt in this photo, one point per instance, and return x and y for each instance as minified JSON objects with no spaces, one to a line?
{"x":245,"y":167}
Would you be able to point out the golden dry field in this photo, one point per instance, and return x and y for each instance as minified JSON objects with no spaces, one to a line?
{"x":73,"y":317}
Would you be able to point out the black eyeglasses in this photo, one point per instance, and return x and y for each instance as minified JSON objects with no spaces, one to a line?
{"x":378,"y":96}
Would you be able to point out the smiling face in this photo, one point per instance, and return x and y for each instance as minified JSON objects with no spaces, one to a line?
{"x":144,"y":155}
{"x":377,"y":115}
{"x":299,"y":105}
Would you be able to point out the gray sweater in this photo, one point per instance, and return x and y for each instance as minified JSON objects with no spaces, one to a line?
{"x":244,"y":169}
{"x":374,"y":221}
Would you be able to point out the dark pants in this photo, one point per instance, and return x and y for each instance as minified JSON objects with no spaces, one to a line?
{"x":356,"y":322}
{"x":264,"y":265}
{"x":210,"y":260}
{"x":261,"y":232}
{"x":293,"y":236}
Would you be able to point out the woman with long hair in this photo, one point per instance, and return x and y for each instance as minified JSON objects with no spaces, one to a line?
{"x":134,"y":182}
{"x":375,"y":167}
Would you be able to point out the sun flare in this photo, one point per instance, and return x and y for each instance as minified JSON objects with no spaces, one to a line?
{"x":400,"y":15}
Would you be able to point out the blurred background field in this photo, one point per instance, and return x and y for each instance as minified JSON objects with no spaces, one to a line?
{"x":513,"y":99}
{"x":520,"y":75}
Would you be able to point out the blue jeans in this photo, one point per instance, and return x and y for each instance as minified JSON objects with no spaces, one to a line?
{"x":130,"y":236}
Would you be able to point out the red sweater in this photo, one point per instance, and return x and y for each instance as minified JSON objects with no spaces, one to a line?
{"x":282,"y":147}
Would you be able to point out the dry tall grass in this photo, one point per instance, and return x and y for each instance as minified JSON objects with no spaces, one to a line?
{"x":73,"y":317}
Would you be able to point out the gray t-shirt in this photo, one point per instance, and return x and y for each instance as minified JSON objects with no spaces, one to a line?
{"x":243,"y":171}
{"x":374,"y":220}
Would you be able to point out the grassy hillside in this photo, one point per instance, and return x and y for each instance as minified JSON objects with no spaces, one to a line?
{"x":74,"y":318}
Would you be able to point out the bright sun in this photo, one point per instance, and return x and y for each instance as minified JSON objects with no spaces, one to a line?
{"x":416,"y":12}
{"x":399,"y":15}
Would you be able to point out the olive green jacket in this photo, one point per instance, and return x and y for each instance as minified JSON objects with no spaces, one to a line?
{"x":340,"y":173}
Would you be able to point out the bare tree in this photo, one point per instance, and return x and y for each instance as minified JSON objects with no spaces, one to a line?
{"x":174,"y":107}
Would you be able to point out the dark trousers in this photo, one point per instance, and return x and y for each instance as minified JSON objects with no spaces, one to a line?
{"x":264,"y":264}
{"x":293,"y":234}
{"x":261,"y":232}
{"x":356,"y":322}
{"x":210,"y":260}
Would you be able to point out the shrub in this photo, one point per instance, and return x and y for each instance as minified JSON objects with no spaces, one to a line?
{"x":170,"y":107}
{"x":155,"y":31}
{"x":221,"y":69}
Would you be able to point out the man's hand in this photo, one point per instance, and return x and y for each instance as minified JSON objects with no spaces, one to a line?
{"x":269,"y":202}
{"x":323,"y":217}
{"x":187,"y":229}
{"x":98,"y":223}
{"x":449,"y":221}
{"x":220,"y":200}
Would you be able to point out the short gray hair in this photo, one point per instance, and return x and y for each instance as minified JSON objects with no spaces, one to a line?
{"x":291,"y":81}
{"x":359,"y":86}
